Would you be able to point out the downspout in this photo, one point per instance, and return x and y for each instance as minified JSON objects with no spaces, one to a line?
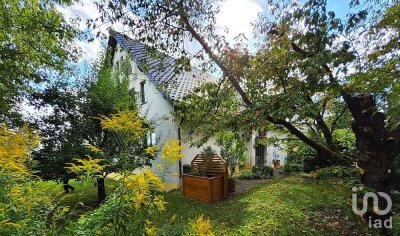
{"x":180,"y":161}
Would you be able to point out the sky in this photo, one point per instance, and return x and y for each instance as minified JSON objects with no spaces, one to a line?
{"x":236,"y":15}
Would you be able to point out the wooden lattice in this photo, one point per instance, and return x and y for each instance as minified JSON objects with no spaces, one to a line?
{"x":211,"y":165}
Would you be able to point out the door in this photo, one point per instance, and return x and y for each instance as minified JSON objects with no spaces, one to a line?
{"x":260,"y":152}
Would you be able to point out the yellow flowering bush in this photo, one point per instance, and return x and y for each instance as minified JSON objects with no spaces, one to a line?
{"x":171,"y":153}
{"x":141,"y":188}
{"x":130,"y":208}
{"x":26,"y":207}
{"x":127,"y":121}
{"x":151,"y":150}
{"x":126,"y":131}
{"x":95,"y":149}
{"x":136,"y":200}
{"x":15,"y":150}
{"x":201,"y":227}
{"x":87,"y":168}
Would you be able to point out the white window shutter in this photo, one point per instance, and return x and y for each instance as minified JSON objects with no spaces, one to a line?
{"x":149,"y":139}
{"x":153,"y":138}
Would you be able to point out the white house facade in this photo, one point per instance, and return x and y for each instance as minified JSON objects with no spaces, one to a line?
{"x":159,"y":87}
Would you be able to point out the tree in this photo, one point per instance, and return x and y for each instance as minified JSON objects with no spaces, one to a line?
{"x":307,"y":56}
{"x":73,"y":121}
{"x":34,"y":40}
{"x":233,"y":149}
{"x":300,"y":64}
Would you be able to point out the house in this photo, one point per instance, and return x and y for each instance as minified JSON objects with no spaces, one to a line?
{"x":160,"y":88}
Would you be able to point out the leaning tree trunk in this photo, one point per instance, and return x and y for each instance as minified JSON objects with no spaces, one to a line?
{"x":377,"y":145}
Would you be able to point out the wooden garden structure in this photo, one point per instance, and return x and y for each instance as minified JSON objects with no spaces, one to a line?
{"x":208,"y":181}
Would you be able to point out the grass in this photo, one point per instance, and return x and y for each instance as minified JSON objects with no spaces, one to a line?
{"x":82,"y":199}
{"x":286,"y":206}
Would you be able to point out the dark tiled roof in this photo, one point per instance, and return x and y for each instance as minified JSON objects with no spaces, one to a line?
{"x":162,"y":71}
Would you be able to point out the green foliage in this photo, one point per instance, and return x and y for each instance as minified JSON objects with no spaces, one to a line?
{"x":263,"y":171}
{"x":333,"y":172}
{"x":298,"y":156}
{"x":301,"y":157}
{"x":346,"y":140}
{"x":25,"y":205}
{"x":293,"y":166}
{"x":208,"y":112}
{"x":110,"y":92}
{"x":381,"y":74}
{"x":247,"y":174}
{"x":233,"y":149}
{"x":257,"y":172}
{"x":129,"y":208}
{"x":66,"y":135}
{"x":208,"y":151}
{"x":34,"y":40}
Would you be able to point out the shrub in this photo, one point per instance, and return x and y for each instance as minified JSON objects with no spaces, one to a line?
{"x":246,"y":174}
{"x":263,"y":171}
{"x":257,"y":172}
{"x":299,"y":157}
{"x":293,"y":167}
{"x":208,"y":151}
{"x":333,"y":172}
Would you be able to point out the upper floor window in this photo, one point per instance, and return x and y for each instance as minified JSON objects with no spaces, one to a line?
{"x":143,"y":92}
{"x":151,"y":138}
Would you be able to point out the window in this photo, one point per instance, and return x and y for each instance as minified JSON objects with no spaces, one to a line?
{"x":151,"y":139}
{"x":142,"y":92}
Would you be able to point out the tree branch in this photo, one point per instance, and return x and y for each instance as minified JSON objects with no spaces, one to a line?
{"x":292,"y":129}
{"x":212,"y":55}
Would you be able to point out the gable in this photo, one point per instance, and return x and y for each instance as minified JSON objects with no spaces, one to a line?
{"x":163,"y":71}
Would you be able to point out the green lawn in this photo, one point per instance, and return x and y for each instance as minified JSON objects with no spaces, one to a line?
{"x":82,"y":199}
{"x":286,"y":206}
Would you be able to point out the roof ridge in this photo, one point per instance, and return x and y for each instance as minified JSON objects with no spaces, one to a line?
{"x":175,"y":82}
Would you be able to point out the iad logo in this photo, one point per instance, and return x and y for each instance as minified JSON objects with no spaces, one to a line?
{"x":377,"y":223}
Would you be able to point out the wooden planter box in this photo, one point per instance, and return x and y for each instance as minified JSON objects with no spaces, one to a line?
{"x":206,"y":189}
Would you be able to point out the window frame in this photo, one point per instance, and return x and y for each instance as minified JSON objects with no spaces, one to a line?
{"x":143,"y":92}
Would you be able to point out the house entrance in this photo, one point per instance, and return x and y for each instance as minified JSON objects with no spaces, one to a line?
{"x":260,"y":154}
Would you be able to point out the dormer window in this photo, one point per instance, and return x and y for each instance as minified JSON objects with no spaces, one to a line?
{"x":142,"y":92}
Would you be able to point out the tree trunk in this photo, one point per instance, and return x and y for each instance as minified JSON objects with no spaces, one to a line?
{"x":377,"y":145}
{"x":101,"y":190}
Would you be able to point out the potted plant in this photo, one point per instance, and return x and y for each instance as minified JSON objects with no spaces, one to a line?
{"x":233,"y":150}
{"x":277,"y":163}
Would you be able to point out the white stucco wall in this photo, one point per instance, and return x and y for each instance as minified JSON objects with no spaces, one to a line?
{"x":274,"y":152}
{"x":156,"y":107}
{"x":190,"y":152}
{"x":159,"y":108}
{"x":251,"y":153}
